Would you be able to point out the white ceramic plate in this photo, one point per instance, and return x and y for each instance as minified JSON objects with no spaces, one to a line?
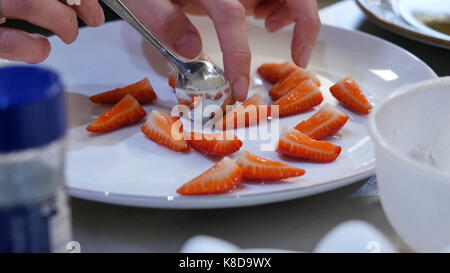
{"x":124,"y":167}
{"x":398,"y":16}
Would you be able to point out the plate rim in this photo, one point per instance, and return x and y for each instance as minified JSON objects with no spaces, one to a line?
{"x":404,"y":31}
{"x":216,"y":201}
{"x":226,"y":201}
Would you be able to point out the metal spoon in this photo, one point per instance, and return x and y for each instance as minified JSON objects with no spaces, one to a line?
{"x":194,"y":78}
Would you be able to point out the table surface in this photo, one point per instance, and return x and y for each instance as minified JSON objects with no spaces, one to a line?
{"x":294,"y":225}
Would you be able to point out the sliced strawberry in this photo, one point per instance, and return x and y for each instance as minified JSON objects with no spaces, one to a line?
{"x":173,"y":79}
{"x":222,"y":177}
{"x":274,"y":72}
{"x":142,"y":91}
{"x":255,"y":99}
{"x":296,"y":144}
{"x":251,"y":112}
{"x":303,"y":98}
{"x":222,"y":143}
{"x":255,"y":167}
{"x":326,"y":122}
{"x":161,"y":128}
{"x":349,"y":94}
{"x":127,"y":111}
{"x":291,"y":82}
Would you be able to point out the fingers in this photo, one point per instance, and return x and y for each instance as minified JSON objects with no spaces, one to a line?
{"x":90,"y":12}
{"x":250,"y":5}
{"x":191,"y":6}
{"x":265,"y":8}
{"x":230,"y":23}
{"x":195,"y":6}
{"x":49,"y":14}
{"x":307,"y":28}
{"x":279,"y":18}
{"x":17,"y":45}
{"x":168,"y":22}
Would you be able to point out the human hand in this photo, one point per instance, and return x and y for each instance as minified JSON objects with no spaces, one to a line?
{"x":53,"y":15}
{"x":278,"y":14}
{"x":168,"y":22}
{"x":303,"y":13}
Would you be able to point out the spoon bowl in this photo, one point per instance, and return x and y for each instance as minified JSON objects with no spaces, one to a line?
{"x":203,"y":80}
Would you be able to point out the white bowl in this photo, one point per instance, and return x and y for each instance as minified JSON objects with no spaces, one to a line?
{"x":411,"y":132}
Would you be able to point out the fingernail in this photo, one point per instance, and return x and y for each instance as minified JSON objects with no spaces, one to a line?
{"x":189,"y":45}
{"x":45,"y":49}
{"x":271,"y":25}
{"x":305,"y":55}
{"x":99,"y":18}
{"x":37,"y":35}
{"x":274,"y":25}
{"x":240,"y":88}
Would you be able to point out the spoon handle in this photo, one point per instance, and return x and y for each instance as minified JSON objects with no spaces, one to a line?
{"x":118,"y":7}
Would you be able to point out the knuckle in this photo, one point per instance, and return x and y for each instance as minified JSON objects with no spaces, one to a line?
{"x":163,"y":25}
{"x":240,"y":56}
{"x":233,"y":10}
{"x":312,"y":23}
{"x":243,"y":55}
{"x":9,"y":41}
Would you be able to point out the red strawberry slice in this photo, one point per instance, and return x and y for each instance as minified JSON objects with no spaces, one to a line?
{"x":250,"y":113}
{"x":222,"y":177}
{"x":291,"y":82}
{"x":349,"y":94}
{"x":255,"y":99}
{"x":142,"y":91}
{"x":161,"y":127}
{"x":127,"y":111}
{"x":173,"y":80}
{"x":326,"y":122}
{"x":274,"y":72}
{"x":301,"y":99}
{"x":296,"y":144}
{"x":255,"y":167}
{"x":222,"y":143}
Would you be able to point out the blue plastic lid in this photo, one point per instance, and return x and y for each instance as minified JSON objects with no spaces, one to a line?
{"x":32,"y":111}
